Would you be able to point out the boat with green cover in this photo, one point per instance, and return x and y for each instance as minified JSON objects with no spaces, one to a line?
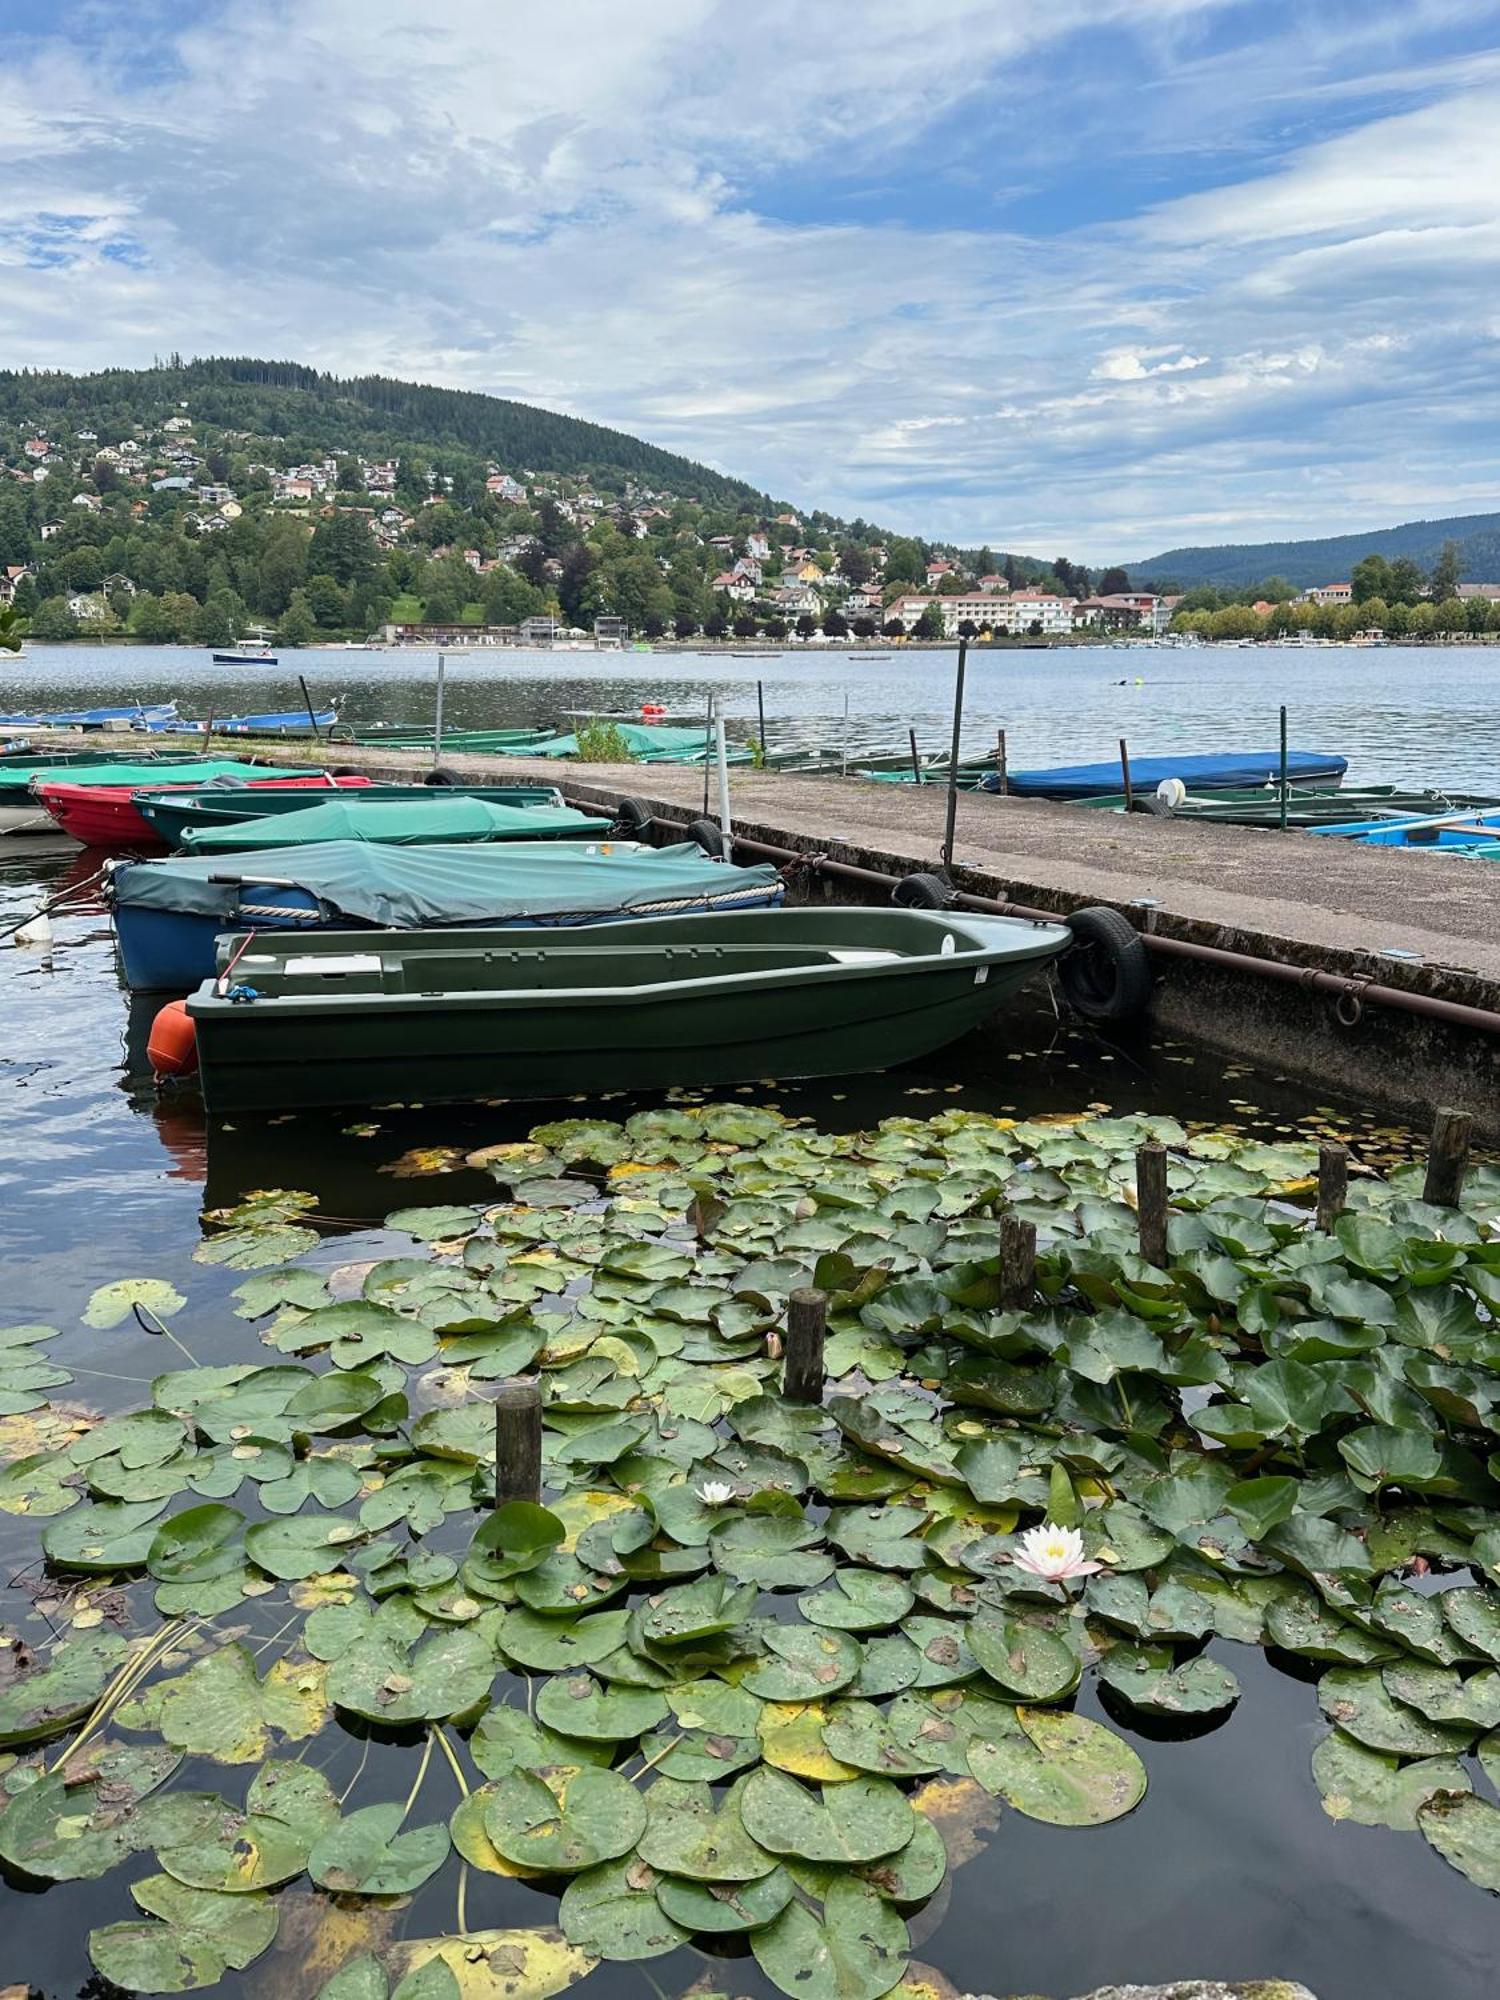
{"x":448,"y":1016}
{"x":171,"y":813}
{"x":648,"y":743}
{"x":407,"y":822}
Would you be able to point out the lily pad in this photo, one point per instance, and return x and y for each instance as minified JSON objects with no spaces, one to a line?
{"x":1061,"y":1768}
{"x":187,"y":1939}
{"x":1375,"y":1789}
{"x":617,"y":1911}
{"x":1146,"y":1678}
{"x":288,"y":1807}
{"x":1025,"y":1658}
{"x":855,"y":1951}
{"x":686,"y":1835}
{"x":1357,"y":1699}
{"x":802,"y":1663}
{"x":858,"y":1821}
{"x":578,"y":1705}
{"x":367,"y":1854}
{"x":82,"y":1821}
{"x":114,"y":1302}
{"x":221,"y":1709}
{"x":445,"y":1675}
{"x":1465,"y":1830}
{"x":46,"y":1696}
{"x":564,"y":1824}
{"x":859,"y":1600}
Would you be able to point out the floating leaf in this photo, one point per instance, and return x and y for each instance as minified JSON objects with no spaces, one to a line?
{"x":79,"y":1823}
{"x":856,"y":1951}
{"x":617,"y":1911}
{"x":1357,"y":1699}
{"x":45,"y":1697}
{"x":445,"y":1675}
{"x":111,"y":1303}
{"x":579,"y":1706}
{"x":858,"y":1821}
{"x":564,"y":1824}
{"x":1375,"y":1789}
{"x":366,"y":1853}
{"x":1061,"y":1768}
{"x":686,"y":1835}
{"x":189,"y":1938}
{"x":498,"y":1964}
{"x":1146,"y":1678}
{"x":220,"y":1709}
{"x":802,"y":1663}
{"x":289,"y":1806}
{"x":1465,"y":1830}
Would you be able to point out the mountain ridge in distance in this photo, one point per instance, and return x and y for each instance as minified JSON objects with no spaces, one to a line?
{"x":1329,"y":558}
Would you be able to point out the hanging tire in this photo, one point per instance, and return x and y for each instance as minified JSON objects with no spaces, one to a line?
{"x":923,"y":892}
{"x":1153,"y":803}
{"x":441,"y":775}
{"x":635,"y":818}
{"x":1106,"y":973}
{"x":348,"y":771}
{"x":709,"y":835}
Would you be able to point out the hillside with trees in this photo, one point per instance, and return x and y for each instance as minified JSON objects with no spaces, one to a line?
{"x":1328,"y":559}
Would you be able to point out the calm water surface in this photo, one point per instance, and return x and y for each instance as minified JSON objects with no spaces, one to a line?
{"x":1229,"y":1867}
{"x":1426,"y":715}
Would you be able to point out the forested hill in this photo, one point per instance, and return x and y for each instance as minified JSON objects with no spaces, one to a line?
{"x":1330,"y":559}
{"x":373,"y":415}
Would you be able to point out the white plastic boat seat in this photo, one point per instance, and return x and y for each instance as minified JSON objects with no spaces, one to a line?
{"x":855,"y":954}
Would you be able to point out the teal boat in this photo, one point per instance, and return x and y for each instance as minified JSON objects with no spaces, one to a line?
{"x":437,"y":816}
{"x":16,"y":773}
{"x":648,"y":743}
{"x":448,"y":1016}
{"x":414,"y":735}
{"x":170,"y":814}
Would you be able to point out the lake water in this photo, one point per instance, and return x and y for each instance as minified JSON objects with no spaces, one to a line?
{"x":1416,"y":715}
{"x":1229,"y":1867}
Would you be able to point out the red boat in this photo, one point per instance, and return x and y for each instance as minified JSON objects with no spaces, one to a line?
{"x":106,"y":816}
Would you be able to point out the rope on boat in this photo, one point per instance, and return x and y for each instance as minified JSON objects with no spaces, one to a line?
{"x":56,"y":902}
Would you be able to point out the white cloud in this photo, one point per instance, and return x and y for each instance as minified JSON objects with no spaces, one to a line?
{"x":565,"y":207}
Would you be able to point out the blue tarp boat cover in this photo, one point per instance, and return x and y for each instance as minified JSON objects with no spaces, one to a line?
{"x":409,"y":888}
{"x":1223,"y":771}
{"x":446,"y":816}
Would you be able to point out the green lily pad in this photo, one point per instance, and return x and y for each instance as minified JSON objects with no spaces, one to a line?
{"x":1357,"y":1699}
{"x":564,"y":1824}
{"x":219,"y":1708}
{"x":1025,"y":1658}
{"x":1146,"y":1678}
{"x":859,"y":1600}
{"x":194,"y":1546}
{"x":861,"y":1820}
{"x":686,"y":1835}
{"x":1061,"y":1768}
{"x":366,"y":1853}
{"x":802,"y":1663}
{"x":300,"y":1545}
{"x":445,"y":1675}
{"x":577,"y":1705}
{"x":1302,"y":1623}
{"x":98,"y":1539}
{"x":508,"y":1739}
{"x":288,"y":1807}
{"x":885,"y":1537}
{"x":1375,"y":1789}
{"x":45,"y":1697}
{"x":859,"y":1733}
{"x":1443,"y":1696}
{"x":718,"y":1909}
{"x":112,"y":1303}
{"x":84,"y":1820}
{"x":1474,"y":1616}
{"x":188,"y":1938}
{"x":856,"y":1951}
{"x":1465,"y":1830}
{"x":554,"y":1645}
{"x":616,"y":1911}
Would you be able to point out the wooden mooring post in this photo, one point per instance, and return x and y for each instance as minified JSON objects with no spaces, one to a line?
{"x":1017,"y":1263}
{"x":1333,"y":1183}
{"x":1002,"y":763}
{"x":916,"y":761}
{"x":1125,"y":784}
{"x":806,"y":1319}
{"x":1151,"y":1202}
{"x":518,"y":1440}
{"x":1448,"y":1158}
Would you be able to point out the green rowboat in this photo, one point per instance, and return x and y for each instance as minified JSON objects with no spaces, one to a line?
{"x":448,"y":1016}
{"x":438,"y":816}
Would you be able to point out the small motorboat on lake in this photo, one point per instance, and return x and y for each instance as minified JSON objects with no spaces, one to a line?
{"x":169,"y":914}
{"x":449,"y":1016}
{"x":244,"y":659}
{"x":435,"y":816}
{"x":134,"y":715}
{"x":170,"y":813}
{"x":95,"y":804}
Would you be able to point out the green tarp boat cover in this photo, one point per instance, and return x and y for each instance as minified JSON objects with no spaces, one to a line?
{"x":144,"y":777}
{"x":411,"y":888}
{"x":401,"y":823}
{"x":648,"y":743}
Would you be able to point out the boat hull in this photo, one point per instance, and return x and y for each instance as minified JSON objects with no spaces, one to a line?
{"x":344,"y":1046}
{"x":170,"y":817}
{"x":108,"y":815}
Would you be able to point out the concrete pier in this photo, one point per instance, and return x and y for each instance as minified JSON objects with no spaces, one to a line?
{"x":1423,"y":922}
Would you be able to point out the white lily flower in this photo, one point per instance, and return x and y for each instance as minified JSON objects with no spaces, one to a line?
{"x":1054,"y":1553}
{"x":716,"y":1492}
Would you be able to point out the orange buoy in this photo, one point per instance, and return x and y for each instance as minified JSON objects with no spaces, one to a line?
{"x":173,"y":1046}
{"x":653,"y":708}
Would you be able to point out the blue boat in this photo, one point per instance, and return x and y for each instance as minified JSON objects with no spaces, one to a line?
{"x":1461,"y":829}
{"x":1223,"y":771}
{"x":138,"y":715}
{"x":169,"y":915}
{"x":276,"y":722}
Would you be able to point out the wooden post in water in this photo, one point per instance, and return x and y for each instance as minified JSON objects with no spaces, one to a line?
{"x":760,"y":704}
{"x":1151,"y":1202}
{"x":1002,"y":765}
{"x":958,"y":723}
{"x":312,"y":713}
{"x":1448,"y":1158}
{"x":1125,"y":784}
{"x":518,"y":1440}
{"x":916,"y":761}
{"x":1017,"y":1263}
{"x":806,"y":1317}
{"x":1283,"y":767}
{"x":1333,"y":1183}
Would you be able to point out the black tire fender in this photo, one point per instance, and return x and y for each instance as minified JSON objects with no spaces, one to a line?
{"x":923,"y":891}
{"x":634,"y":817}
{"x":441,"y":775}
{"x":348,"y":771}
{"x":709,"y":835}
{"x":1153,"y":803}
{"x":1106,"y":973}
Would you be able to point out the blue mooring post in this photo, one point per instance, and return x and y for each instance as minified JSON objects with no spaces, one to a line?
{"x":1283,"y":767}
{"x":958,"y":723}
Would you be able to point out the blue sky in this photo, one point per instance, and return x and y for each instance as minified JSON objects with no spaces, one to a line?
{"x":1091,"y":277}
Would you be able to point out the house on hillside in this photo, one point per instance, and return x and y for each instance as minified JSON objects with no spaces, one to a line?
{"x":734,"y":586}
{"x":1328,"y":593}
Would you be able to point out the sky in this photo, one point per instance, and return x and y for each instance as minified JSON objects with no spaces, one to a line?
{"x":1090,"y":277}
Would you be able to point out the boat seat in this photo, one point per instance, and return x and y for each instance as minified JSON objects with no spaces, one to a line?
{"x":856,"y":954}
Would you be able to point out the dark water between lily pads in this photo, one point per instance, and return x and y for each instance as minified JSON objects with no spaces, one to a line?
{"x":1228,"y":1868}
